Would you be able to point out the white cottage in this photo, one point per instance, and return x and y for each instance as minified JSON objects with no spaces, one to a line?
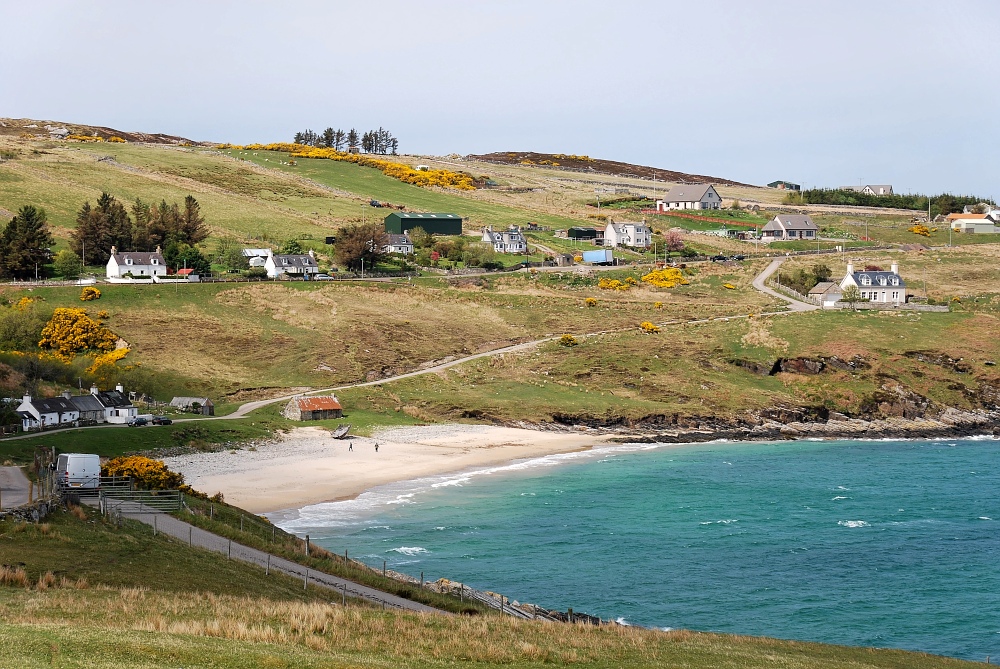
{"x":789,"y":226}
{"x":635,"y":235}
{"x":291,"y":265}
{"x":137,"y":264}
{"x":691,"y":196}
{"x":506,"y":241}
{"x":38,"y":413}
{"x":877,"y":286}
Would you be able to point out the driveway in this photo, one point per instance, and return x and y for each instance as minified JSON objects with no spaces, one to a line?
{"x":793,"y":305}
{"x":14,"y":487}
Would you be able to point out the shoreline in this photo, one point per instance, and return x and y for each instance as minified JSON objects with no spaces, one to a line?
{"x":306,"y":466}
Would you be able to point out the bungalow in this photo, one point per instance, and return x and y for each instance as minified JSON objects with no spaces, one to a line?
{"x":784,"y":185}
{"x":118,"y":408}
{"x":635,"y":235}
{"x":401,"y":244}
{"x":877,"y":189}
{"x":291,"y":265}
{"x":136,"y":264}
{"x":313,"y":408}
{"x":202,"y":405}
{"x":507,"y":241}
{"x":90,"y":408}
{"x":693,"y":196}
{"x":972,"y":223}
{"x":789,"y":226}
{"x":39,"y":413}
{"x":877,"y":286}
{"x":256,"y":257}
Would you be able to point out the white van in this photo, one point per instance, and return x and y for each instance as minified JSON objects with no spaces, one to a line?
{"x":78,"y":471}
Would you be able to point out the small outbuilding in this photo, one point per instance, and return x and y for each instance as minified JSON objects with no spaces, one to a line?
{"x":313,"y":408}
{"x":201,"y":405}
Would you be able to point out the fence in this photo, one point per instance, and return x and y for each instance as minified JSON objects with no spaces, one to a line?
{"x":140,"y":501}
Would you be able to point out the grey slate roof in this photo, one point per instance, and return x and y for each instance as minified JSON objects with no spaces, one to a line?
{"x":687,"y":193}
{"x":876,"y":279}
{"x":86,"y":403}
{"x":791,"y":222}
{"x":303,"y":260}
{"x":185,"y":402}
{"x":52,"y":405}
{"x":399,"y":240}
{"x":113,"y":398}
{"x":140,"y":258}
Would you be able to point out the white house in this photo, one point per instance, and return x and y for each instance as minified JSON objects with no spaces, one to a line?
{"x":789,"y":226}
{"x":138,"y":264}
{"x":291,"y":265}
{"x":691,"y":196}
{"x":635,"y":235}
{"x":401,"y":244}
{"x":877,"y":286}
{"x":877,"y":189}
{"x":50,"y":412}
{"x":118,"y":407}
{"x":506,"y":241}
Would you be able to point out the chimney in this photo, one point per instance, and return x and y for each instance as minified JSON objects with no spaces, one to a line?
{"x":157,"y":248}
{"x":27,"y":398}
{"x":850,"y":267}
{"x":895,"y":267}
{"x":120,"y":388}
{"x":67,"y":394}
{"x":311,"y":254}
{"x":114,"y":250}
{"x":94,"y":390}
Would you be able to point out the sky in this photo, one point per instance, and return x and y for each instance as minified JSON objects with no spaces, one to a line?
{"x":821,"y":93}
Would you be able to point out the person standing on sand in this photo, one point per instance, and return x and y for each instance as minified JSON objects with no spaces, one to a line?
{"x":376,"y":447}
{"x":350,"y":446}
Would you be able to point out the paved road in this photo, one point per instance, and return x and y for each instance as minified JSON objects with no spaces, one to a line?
{"x":758,"y":283}
{"x":213,"y":542}
{"x":13,"y":487}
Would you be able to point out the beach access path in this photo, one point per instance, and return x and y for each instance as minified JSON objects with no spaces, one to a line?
{"x":197,"y":537}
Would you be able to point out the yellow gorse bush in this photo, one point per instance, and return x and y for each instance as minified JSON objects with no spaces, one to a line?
{"x":919,"y":230}
{"x":24,"y":303}
{"x":405,"y":173}
{"x":668,"y":277}
{"x":591,"y":301}
{"x":107,"y":359}
{"x":90,"y":293}
{"x":71,"y":331}
{"x":117,"y":140}
{"x":85,"y":138}
{"x":148,"y":473}
{"x":649,"y":327}
{"x":615,"y":284}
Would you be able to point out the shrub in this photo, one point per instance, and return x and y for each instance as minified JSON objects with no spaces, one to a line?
{"x":729,"y":286}
{"x":148,"y":473}
{"x":568,"y":340}
{"x":90,"y":293}
{"x":590,"y":302}
{"x":70,"y":331}
{"x":649,"y":327}
{"x":919,"y":230}
{"x":668,"y":277}
{"x":657,"y":305}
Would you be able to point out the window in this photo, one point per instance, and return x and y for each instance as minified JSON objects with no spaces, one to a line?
{"x":153,"y":261}
{"x":866,"y":280}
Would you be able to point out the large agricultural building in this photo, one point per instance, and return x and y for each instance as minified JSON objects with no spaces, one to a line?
{"x":398,"y":223}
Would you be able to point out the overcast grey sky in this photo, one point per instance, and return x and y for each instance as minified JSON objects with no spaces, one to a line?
{"x":822,"y":93}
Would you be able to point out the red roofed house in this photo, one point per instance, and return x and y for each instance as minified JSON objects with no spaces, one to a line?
{"x":313,"y":408}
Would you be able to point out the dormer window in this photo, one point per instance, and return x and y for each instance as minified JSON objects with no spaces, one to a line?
{"x":881,"y":280}
{"x":153,"y":261}
{"x":866,"y":281}
{"x":895,"y":280}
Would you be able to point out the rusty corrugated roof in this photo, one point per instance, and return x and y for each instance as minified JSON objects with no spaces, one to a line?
{"x":318,"y":404}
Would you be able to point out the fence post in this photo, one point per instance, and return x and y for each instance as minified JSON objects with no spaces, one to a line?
{"x":305,"y":579}
{"x":461,"y":592}
{"x":230,"y":556}
{"x":343,"y":598}
{"x":273,"y":530}
{"x":267,"y":569}
{"x":154,"y":526}
{"x":307,"y":545}
{"x":421,"y":580}
{"x":241,"y":522}
{"x":190,"y":534}
{"x":383,"y":568}
{"x":211,"y":512}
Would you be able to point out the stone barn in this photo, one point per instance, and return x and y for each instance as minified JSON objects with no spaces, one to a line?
{"x":313,"y":408}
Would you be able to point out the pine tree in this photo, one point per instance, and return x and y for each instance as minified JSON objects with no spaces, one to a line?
{"x":192,"y":229}
{"x":327,"y":139}
{"x":339,"y":137}
{"x":352,"y":139}
{"x":24,"y":244}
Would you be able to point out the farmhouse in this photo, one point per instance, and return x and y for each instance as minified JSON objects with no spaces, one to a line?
{"x":401,"y":244}
{"x":313,"y":408}
{"x":784,"y":185}
{"x":635,"y":235}
{"x":38,"y":413}
{"x":436,"y":224}
{"x":136,"y":264}
{"x":877,"y":189}
{"x":692,"y":196}
{"x":291,"y":265}
{"x":506,"y":241}
{"x":118,"y":407}
{"x":876,"y":285}
{"x":972,"y":223}
{"x":202,"y":405}
{"x":789,"y":226}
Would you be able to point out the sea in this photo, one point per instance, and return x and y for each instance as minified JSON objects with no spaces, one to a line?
{"x":892,"y":543}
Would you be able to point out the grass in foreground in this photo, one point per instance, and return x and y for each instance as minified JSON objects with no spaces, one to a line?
{"x":154,"y":629}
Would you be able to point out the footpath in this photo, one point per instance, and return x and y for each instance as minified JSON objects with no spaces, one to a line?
{"x":197,"y":537}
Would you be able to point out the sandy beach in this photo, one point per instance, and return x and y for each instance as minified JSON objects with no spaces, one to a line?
{"x":306,"y":466}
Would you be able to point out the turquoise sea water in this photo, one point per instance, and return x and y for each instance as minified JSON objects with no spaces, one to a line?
{"x":888,"y":543}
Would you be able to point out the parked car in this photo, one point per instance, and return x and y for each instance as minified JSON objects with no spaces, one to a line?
{"x":161,"y":420}
{"x":138,"y":422}
{"x":322,"y":277}
{"x":719,"y":258}
{"x":738,"y":256}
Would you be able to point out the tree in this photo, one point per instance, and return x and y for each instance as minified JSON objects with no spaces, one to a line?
{"x":339,"y":137}
{"x":229,"y":254}
{"x":24,"y":244}
{"x":352,"y":139}
{"x":100,"y":228}
{"x":142,"y":215}
{"x":192,"y":224}
{"x":367,"y":145}
{"x":327,"y":138}
{"x":674,"y":240}
{"x":184,"y":256}
{"x":66,"y":264}
{"x":291,"y":247}
{"x":851,"y":295}
{"x":822,"y":272}
{"x":361,"y":245}
{"x":421,"y":238}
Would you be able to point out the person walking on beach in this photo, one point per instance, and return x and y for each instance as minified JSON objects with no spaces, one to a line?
{"x":376,"y":447}
{"x":350,"y":446}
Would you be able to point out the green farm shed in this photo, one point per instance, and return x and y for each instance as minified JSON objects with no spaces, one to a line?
{"x":397,"y":223}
